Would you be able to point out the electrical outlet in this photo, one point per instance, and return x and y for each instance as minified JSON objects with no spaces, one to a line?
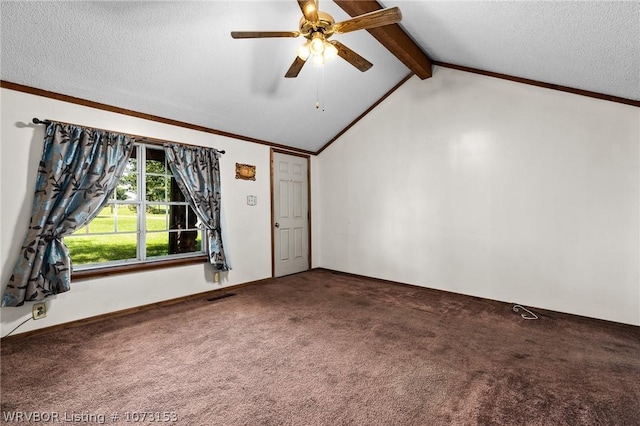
{"x":39,"y":310}
{"x":216,"y":277}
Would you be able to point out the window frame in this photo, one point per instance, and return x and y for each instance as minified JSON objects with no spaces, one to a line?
{"x":142,"y":261}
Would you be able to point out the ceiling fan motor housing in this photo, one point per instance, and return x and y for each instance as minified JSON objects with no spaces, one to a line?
{"x":323,"y":25}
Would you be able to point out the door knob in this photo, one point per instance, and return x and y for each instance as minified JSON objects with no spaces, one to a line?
{"x":277,"y":225}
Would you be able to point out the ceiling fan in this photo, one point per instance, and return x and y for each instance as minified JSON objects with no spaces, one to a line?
{"x":317,"y":27}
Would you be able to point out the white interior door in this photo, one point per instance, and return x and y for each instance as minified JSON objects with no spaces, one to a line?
{"x":290,"y":214}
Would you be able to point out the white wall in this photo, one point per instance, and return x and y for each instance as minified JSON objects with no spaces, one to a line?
{"x":490,"y":188}
{"x":460,"y":182}
{"x":248,"y":239}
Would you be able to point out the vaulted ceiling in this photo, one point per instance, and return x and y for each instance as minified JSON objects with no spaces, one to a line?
{"x":176,"y":59}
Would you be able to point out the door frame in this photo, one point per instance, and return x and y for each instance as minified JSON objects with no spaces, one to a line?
{"x":273,"y":211}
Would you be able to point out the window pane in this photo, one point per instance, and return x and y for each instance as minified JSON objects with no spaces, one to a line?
{"x":127,"y":188}
{"x":165,"y":243}
{"x":157,"y":244}
{"x":105,"y":221}
{"x":179,"y":219}
{"x":175,"y":194}
{"x":101,"y":248}
{"x":157,"y":217}
{"x":127,"y":218}
{"x":155,"y":161}
{"x":156,"y":188}
{"x":184,"y":241}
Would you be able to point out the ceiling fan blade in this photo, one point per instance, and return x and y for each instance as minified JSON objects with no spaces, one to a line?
{"x":263,"y":34}
{"x":352,"y":57}
{"x":309,"y":9}
{"x":373,"y":19}
{"x":295,"y":68}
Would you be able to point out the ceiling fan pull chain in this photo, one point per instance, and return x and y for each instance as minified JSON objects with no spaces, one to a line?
{"x":317,"y":91}
{"x":323,"y":91}
{"x":320,"y":88}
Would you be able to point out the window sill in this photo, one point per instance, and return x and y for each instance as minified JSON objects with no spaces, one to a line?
{"x":143,"y":266}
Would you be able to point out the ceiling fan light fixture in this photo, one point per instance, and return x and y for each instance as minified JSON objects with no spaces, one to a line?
{"x":304,"y":51}
{"x":317,"y":44}
{"x":330,"y":52}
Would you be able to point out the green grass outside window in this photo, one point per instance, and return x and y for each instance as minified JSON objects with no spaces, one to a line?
{"x":89,"y":249}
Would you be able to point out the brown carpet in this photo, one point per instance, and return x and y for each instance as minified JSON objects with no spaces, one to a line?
{"x":323,"y":348}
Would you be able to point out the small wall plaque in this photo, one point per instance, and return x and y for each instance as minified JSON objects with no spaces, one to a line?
{"x":245,"y":171}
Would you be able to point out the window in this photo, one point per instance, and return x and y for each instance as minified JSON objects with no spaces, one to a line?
{"x":145,"y":219}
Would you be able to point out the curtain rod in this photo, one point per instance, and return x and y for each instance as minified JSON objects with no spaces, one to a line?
{"x":144,"y":139}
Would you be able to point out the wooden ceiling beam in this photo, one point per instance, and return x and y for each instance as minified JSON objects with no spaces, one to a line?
{"x":393,"y":37}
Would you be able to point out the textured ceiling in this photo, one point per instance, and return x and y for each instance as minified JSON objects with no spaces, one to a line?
{"x":588,"y":45}
{"x":176,"y":59}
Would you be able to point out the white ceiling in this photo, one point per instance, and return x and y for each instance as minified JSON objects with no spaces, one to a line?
{"x":177,"y":60}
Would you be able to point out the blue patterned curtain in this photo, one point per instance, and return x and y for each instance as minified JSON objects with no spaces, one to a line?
{"x":197,"y":172}
{"x":80,"y":167}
